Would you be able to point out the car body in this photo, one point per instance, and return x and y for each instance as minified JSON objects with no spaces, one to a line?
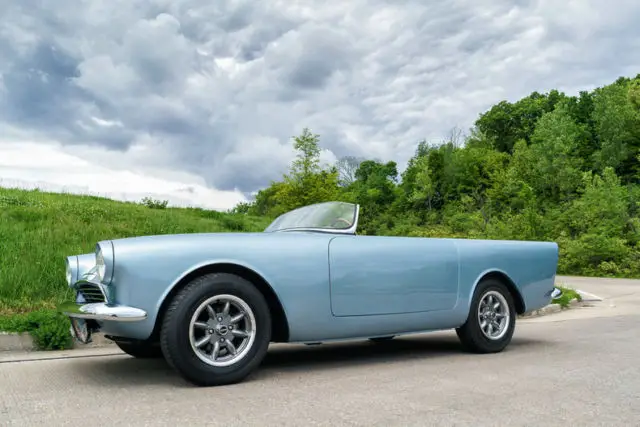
{"x":310,"y":278}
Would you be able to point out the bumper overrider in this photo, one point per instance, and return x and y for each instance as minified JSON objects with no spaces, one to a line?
{"x":93,"y":305}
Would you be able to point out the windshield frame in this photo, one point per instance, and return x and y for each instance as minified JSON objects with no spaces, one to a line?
{"x":272,"y":228}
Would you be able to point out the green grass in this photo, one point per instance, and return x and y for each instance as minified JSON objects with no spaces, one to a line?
{"x":38,"y":230}
{"x":567,"y":296}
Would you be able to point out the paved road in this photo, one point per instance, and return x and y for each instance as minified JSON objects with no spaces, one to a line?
{"x":575,"y":368}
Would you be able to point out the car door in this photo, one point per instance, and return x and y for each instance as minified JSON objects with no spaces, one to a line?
{"x":371,"y":275}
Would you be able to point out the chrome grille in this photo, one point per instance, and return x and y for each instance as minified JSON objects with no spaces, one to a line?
{"x":91,"y":292}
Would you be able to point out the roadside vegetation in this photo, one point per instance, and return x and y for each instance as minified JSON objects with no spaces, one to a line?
{"x":547,"y":167}
{"x":568,"y":296}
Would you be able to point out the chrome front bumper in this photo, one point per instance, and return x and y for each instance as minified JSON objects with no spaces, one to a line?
{"x":83,"y":317}
{"x":102,"y":311}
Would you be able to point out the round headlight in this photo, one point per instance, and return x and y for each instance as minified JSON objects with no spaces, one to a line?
{"x":101,"y":268}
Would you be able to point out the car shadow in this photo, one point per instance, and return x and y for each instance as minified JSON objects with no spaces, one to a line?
{"x":128,"y":371}
{"x":346,"y":355}
{"x":355,"y":353}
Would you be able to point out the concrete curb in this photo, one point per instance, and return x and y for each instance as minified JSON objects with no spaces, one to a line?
{"x":23,"y":342}
{"x":552,"y":308}
{"x":15,"y":342}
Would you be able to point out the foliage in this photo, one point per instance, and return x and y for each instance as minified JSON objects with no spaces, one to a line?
{"x":568,"y":295}
{"x":154,"y":204}
{"x":506,"y":123}
{"x":617,"y":123}
{"x":49,"y":329}
{"x":547,"y":167}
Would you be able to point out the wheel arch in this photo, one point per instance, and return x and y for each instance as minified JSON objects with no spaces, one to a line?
{"x":280,"y":324}
{"x":504,"y":278}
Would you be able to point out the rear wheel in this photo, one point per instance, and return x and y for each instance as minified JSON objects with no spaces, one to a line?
{"x":216,"y":330}
{"x":492,"y":317}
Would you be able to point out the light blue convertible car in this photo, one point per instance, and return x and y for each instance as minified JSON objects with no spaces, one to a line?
{"x":211,"y":303}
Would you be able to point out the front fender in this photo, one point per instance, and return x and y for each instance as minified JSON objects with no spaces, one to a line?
{"x":207,"y":265}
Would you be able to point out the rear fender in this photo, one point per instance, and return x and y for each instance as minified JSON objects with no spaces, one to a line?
{"x":502,"y":276}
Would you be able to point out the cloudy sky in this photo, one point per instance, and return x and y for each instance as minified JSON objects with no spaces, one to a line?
{"x":196,"y":101}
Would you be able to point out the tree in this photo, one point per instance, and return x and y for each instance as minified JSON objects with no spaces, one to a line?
{"x":347,"y":167}
{"x":456,"y":137}
{"x":505,"y":123}
{"x":634,"y":93}
{"x":307,"y":161}
{"x":307,"y":183}
{"x":556,"y":171}
{"x":617,"y":124}
{"x":375,"y":190}
{"x":423,"y":189}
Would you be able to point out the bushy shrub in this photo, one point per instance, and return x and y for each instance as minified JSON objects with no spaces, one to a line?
{"x":154,"y":204}
{"x":49,"y":329}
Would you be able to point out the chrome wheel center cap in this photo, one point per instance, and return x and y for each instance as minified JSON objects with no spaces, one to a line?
{"x":222,"y":329}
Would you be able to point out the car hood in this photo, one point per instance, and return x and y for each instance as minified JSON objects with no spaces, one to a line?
{"x":202,"y":240}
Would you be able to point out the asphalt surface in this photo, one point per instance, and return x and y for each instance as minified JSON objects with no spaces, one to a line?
{"x":578,"y":367}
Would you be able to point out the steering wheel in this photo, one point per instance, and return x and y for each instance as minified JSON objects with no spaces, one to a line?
{"x":348,"y":224}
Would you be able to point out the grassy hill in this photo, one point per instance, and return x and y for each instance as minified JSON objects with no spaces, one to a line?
{"x":38,"y":230}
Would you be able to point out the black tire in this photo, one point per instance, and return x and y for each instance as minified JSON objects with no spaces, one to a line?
{"x":471,"y":335}
{"x":141,"y":351}
{"x":382,"y":339}
{"x":175,"y":337}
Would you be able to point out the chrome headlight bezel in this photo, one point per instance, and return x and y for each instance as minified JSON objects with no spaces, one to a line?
{"x":104,"y":261}
{"x":100,"y":265}
{"x":69,"y":275}
{"x":71,"y":272}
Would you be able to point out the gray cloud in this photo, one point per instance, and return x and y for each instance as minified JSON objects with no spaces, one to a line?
{"x":219,"y":88}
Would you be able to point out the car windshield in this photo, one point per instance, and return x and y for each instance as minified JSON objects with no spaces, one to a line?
{"x":322,"y":216}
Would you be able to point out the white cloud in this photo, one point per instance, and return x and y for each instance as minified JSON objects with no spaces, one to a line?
{"x":215,"y":90}
{"x":50,"y":167}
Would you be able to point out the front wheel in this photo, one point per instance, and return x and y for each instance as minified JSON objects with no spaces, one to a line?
{"x":492,"y":319}
{"x":216,"y":330}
